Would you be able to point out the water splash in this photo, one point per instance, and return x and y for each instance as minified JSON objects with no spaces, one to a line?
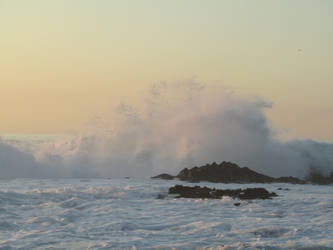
{"x":176,"y":126}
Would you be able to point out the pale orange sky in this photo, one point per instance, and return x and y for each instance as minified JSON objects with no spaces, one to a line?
{"x":62,"y":61}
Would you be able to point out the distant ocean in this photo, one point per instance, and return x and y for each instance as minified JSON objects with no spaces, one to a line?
{"x":126,"y":214}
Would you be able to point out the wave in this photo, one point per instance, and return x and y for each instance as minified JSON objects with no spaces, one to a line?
{"x":176,"y":126}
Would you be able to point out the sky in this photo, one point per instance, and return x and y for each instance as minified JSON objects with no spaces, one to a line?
{"x":63,"y":61}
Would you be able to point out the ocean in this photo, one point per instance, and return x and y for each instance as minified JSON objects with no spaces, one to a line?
{"x":127,"y":214}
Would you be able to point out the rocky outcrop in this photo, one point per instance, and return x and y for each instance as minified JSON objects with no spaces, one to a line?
{"x":208,"y":193}
{"x":163,"y":177}
{"x":226,"y":172}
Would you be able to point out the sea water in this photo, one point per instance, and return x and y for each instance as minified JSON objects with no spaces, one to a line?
{"x":130,"y":214}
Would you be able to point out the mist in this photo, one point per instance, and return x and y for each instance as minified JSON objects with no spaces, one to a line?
{"x":175,"y":126}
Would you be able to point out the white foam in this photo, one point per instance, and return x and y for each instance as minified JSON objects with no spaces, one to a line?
{"x":125,"y":214}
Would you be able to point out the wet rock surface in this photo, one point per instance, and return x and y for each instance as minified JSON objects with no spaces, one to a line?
{"x":208,"y":193}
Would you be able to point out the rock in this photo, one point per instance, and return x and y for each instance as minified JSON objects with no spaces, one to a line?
{"x":285,"y":189}
{"x":289,"y":179}
{"x":164,"y":177}
{"x":161,"y":196}
{"x":256,"y":193}
{"x":237,"y":204}
{"x":225,"y":172}
{"x":207,"y":193}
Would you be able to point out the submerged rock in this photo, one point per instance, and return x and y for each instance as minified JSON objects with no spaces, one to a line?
{"x":161,"y":196}
{"x":208,"y":193}
{"x":284,"y":189}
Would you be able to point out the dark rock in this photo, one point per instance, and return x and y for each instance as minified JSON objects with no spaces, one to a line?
{"x":289,"y":179}
{"x":256,"y":193}
{"x":237,"y":204}
{"x":285,"y":189}
{"x":163,"y":176}
{"x":207,"y":193}
{"x":225,"y":172}
{"x":161,"y":196}
{"x":228,"y":172}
